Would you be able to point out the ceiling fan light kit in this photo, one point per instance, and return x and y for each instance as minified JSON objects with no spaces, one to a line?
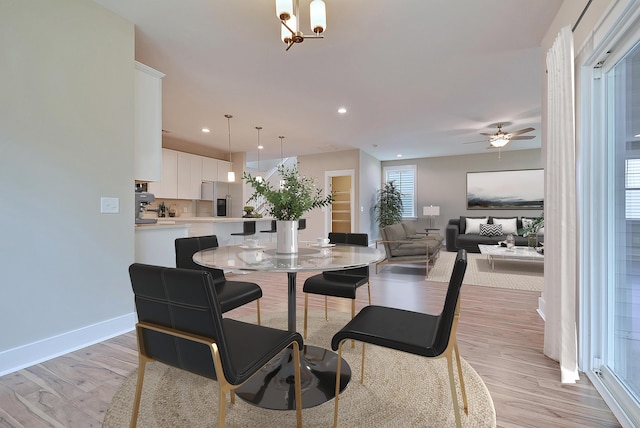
{"x":288,"y":12}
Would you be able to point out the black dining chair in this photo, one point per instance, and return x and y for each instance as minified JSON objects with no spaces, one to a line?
{"x":231,"y":294}
{"x":273,"y":229}
{"x":248,"y":229}
{"x":180,"y":324}
{"x":302,"y":224}
{"x":341,"y":283}
{"x":430,"y":336}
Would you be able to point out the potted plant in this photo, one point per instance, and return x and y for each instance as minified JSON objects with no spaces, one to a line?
{"x":388,"y":209}
{"x":287,"y":204}
{"x":530,"y":229}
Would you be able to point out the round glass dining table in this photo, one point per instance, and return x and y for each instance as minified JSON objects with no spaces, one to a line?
{"x":271,"y":388}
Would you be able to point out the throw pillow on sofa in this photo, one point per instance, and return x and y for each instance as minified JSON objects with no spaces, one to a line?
{"x":509,"y":225}
{"x":473,"y":225}
{"x":490,"y":229}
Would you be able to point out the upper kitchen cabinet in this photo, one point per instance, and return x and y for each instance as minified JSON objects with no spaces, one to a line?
{"x":167,"y":187}
{"x":215,"y":169}
{"x":148,"y":123}
{"x":189,"y":175}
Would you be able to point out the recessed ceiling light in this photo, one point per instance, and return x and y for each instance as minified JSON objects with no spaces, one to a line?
{"x":261,"y":147}
{"x":398,"y":156}
{"x":637,"y":136}
{"x":205,"y":130}
{"x":342,"y":110}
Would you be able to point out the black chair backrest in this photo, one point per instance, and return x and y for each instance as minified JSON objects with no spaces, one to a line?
{"x":185,"y":300}
{"x":361,"y":239}
{"x":451,"y":303}
{"x":302,"y":223}
{"x":187,"y":247}
{"x":249,"y":227}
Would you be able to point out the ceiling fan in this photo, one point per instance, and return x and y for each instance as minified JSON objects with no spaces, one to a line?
{"x":502,"y":138}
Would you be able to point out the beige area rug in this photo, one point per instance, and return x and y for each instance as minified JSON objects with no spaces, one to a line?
{"x":400,"y":390}
{"x":513,"y":274}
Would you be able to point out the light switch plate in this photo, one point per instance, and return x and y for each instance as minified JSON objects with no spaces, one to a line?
{"x":109,"y":205}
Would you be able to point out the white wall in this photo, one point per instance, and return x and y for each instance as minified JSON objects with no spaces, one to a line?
{"x":66,"y":139}
{"x":370,"y":178}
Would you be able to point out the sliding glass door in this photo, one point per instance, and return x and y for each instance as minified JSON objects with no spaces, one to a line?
{"x":622,"y":310}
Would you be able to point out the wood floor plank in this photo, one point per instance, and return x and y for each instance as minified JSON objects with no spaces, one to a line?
{"x":500,"y":335}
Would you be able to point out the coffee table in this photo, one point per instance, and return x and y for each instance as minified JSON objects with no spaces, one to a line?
{"x":494,"y":252}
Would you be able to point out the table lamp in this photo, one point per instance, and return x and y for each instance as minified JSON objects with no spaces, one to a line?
{"x":431,"y":211}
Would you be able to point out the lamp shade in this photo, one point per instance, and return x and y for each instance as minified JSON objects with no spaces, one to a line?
{"x":231,"y":176}
{"x":431,"y":210}
{"x":284,"y":9}
{"x":318,"y":13}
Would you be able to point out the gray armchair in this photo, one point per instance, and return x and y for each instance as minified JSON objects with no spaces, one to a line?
{"x":400,"y":248}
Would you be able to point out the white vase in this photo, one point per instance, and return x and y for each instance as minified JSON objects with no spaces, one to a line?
{"x":287,"y":236}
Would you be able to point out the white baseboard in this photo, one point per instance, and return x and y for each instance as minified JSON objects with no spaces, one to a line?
{"x":34,"y":353}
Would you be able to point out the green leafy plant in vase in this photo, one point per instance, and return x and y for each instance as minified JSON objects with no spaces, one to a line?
{"x":295,"y":196}
{"x":388,"y":209}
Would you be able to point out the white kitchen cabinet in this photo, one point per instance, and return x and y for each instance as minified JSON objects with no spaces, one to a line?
{"x":167,"y":187}
{"x":189,"y":175}
{"x":209,"y":169}
{"x":223,"y":168}
{"x":147,"y":123}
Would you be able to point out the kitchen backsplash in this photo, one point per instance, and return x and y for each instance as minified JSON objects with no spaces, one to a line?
{"x":182,"y":208}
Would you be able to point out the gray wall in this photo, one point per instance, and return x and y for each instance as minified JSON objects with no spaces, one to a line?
{"x":443,"y":181}
{"x":66,"y":139}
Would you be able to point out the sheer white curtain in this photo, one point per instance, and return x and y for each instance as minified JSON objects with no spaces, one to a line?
{"x":560,"y":277}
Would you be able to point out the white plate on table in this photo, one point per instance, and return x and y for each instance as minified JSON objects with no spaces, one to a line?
{"x":323,"y":245}
{"x":257,"y":247}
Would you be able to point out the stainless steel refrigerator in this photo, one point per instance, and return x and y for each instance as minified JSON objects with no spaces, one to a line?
{"x":225,"y":197}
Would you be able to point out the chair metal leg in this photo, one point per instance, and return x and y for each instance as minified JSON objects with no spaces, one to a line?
{"x":306,"y":306}
{"x":369,"y":290}
{"x":326,"y":314}
{"x":362,"y":365}
{"x":222,"y":405}
{"x":353,"y":314}
{"x":298,"y":385}
{"x":258,"y":308}
{"x":462,"y":388}
{"x":136,"y":402}
{"x":452,"y":384}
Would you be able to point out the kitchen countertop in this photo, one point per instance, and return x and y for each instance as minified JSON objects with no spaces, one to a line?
{"x":212,"y":219}
{"x":162,"y":224}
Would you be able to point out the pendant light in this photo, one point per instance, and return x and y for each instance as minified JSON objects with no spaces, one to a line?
{"x":259,"y":177}
{"x":231,"y":176}
{"x":281,"y":159}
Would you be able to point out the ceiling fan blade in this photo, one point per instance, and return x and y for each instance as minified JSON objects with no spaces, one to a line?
{"x":522,"y":131}
{"x":487,"y":134}
{"x":523,"y":137}
{"x":476,"y":142}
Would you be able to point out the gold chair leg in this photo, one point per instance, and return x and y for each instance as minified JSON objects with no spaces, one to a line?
{"x":353,"y":314}
{"x":298,"y":387}
{"x":362,"y":366}
{"x":326,"y":315}
{"x":258,"y":307}
{"x":222,"y":405}
{"x":232,"y":396}
{"x":136,"y":402}
{"x":462,"y":388}
{"x":306,"y":305}
{"x":369,"y":290}
{"x":452,"y":384}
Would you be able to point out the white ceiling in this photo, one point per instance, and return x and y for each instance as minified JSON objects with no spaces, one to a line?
{"x":418,"y":77}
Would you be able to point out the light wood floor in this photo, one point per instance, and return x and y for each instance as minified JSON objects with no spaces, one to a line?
{"x":499,"y":334}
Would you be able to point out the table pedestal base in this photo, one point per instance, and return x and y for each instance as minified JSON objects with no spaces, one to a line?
{"x":273,"y":386}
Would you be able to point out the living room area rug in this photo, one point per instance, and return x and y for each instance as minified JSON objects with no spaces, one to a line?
{"x":512,"y":274}
{"x":399,"y":389}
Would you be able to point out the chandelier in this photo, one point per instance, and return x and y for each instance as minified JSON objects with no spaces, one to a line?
{"x":288,"y":12}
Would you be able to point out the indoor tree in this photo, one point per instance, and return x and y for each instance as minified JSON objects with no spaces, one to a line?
{"x":388,"y":209}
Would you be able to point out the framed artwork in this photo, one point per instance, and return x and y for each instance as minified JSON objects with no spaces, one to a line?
{"x":505,"y":190}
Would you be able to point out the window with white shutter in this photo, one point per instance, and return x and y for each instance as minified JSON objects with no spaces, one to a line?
{"x":404,"y":178}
